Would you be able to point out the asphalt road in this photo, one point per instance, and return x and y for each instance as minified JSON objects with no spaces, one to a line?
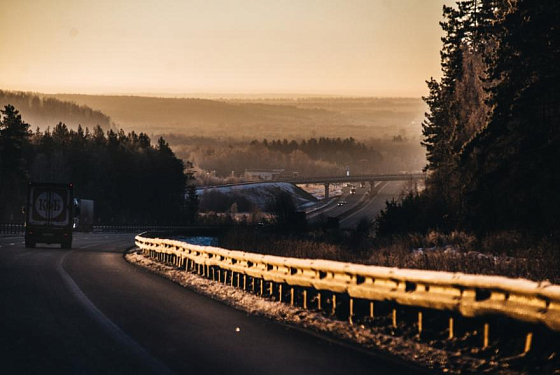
{"x":390,"y":190}
{"x":355,"y":203}
{"x":88,"y":311}
{"x":334,"y":210}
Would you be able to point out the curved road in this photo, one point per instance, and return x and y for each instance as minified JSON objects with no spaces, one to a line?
{"x":334,"y":210}
{"x":390,"y":190}
{"x":355,"y":203}
{"x":88,"y":311}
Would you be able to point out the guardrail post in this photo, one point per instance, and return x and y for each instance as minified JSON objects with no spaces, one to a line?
{"x":333,"y":311}
{"x":451,"y":328}
{"x":279,"y":292}
{"x":371,"y":309}
{"x":262,"y":286}
{"x":291,"y":296}
{"x":486,"y":335}
{"x":528,"y":342}
{"x":394,"y":317}
{"x":351,"y":310}
{"x":305,"y":299}
{"x":271,"y":289}
{"x":244,"y":282}
{"x":420,"y":322}
{"x":319,"y":301}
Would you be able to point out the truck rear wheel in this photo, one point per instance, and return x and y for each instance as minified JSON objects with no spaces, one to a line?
{"x":66,"y":245}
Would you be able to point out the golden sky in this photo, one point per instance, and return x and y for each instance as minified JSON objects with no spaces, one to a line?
{"x":338,"y":47}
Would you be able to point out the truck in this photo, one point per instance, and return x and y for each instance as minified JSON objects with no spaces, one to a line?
{"x":49,"y":214}
{"x":83,"y":215}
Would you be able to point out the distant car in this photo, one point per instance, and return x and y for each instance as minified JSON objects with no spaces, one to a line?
{"x":341,"y":203}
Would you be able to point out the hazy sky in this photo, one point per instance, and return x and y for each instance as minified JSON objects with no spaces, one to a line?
{"x":341,"y":47}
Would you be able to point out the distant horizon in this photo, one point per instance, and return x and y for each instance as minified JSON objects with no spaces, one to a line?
{"x":220,"y":95}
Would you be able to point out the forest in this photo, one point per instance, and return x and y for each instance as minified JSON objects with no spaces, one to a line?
{"x":216,"y":134}
{"x":247,"y":118}
{"x":492,"y":132}
{"x":337,"y":150}
{"x":42,"y":111}
{"x":311,"y":157}
{"x":131,"y":180}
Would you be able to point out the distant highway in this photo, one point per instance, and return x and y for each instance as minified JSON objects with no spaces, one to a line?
{"x":360,"y":205}
{"x":334,"y":209}
{"x":387,"y":192}
{"x":88,"y":311}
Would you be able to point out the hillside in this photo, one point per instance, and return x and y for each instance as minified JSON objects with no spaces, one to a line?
{"x":251,"y":195}
{"x":41,"y":111}
{"x":259,"y":118}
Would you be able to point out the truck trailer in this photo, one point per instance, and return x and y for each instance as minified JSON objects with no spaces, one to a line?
{"x":83,"y":215}
{"x":49,"y":214}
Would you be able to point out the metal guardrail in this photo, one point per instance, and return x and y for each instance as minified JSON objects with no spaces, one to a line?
{"x":11,"y":228}
{"x":467,"y":295}
{"x":19,"y":228}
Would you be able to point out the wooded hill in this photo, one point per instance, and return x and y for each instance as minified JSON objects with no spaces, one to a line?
{"x":296,"y":118}
{"x":44,"y":111}
{"x":492,"y":133}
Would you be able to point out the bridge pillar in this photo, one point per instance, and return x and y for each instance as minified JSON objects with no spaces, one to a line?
{"x":327,"y":187}
{"x":372,"y":188}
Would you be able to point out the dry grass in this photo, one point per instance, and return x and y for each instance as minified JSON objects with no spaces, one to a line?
{"x":505,"y":254}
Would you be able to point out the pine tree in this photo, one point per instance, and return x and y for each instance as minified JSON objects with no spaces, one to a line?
{"x":14,"y":138}
{"x":515,"y":152}
{"x":192,"y":204}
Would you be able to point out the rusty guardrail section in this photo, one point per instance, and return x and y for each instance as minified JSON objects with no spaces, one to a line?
{"x":468,"y":295}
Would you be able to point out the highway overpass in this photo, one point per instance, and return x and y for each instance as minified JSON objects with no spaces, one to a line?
{"x":327,"y":180}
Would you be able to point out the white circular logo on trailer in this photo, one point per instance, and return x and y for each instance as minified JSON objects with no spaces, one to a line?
{"x":43,"y":206}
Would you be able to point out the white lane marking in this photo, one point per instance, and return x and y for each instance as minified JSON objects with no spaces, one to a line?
{"x":111,"y":328}
{"x":91,"y":245}
{"x":12,"y":244}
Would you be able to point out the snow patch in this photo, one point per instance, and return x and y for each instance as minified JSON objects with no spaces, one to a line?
{"x":198,"y":240}
{"x":261,"y":194}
